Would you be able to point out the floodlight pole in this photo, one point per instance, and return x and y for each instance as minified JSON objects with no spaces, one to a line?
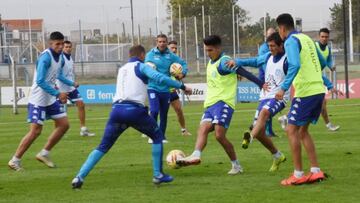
{"x":345,"y":51}
{"x":132,"y":22}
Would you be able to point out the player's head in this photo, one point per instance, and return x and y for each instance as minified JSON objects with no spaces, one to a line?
{"x":212,"y":45}
{"x":286,"y":24}
{"x":270,"y":31}
{"x":67,"y":47}
{"x":324,"y":35}
{"x":161,"y":42}
{"x":56,"y":41}
{"x":137,"y":51}
{"x":275,"y":44}
{"x":173,"y":46}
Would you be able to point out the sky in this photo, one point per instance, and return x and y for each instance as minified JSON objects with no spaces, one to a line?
{"x":64,"y":15}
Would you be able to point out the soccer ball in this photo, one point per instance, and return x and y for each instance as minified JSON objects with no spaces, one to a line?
{"x":175,"y":69}
{"x":151,"y":64}
{"x":172,"y":156}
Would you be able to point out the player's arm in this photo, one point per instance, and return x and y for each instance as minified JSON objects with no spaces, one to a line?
{"x":254,"y":62}
{"x":330,"y":61}
{"x":42,"y":68}
{"x":160,"y":78}
{"x":292,"y":49}
{"x":61,"y":77}
{"x":224,"y":69}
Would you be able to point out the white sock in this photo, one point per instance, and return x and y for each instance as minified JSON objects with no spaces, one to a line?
{"x":44,"y":152}
{"x":196,"y":153}
{"x":328,"y":124}
{"x":15,"y":159}
{"x":235,"y":163}
{"x":183,"y":129}
{"x":298,"y":174}
{"x":314,"y":169}
{"x":84,"y":128}
{"x":277,"y":154}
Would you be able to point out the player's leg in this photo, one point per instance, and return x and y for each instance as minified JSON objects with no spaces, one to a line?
{"x":176,"y":104}
{"x":269,"y":128}
{"x":325,"y":116}
{"x":154,"y":106}
{"x":164,"y":109}
{"x":36,"y":116}
{"x":112,"y":131}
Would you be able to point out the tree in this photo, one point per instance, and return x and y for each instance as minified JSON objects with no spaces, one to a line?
{"x":255,"y":33}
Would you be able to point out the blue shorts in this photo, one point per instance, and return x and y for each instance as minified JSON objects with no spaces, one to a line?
{"x":305,"y":110}
{"x":174,"y":96}
{"x":272,"y":105}
{"x":219,"y":113}
{"x":38,"y":114}
{"x":74,"y":96}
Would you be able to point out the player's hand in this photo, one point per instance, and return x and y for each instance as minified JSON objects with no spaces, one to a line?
{"x":76,"y":84}
{"x":280,"y":95}
{"x":63,"y":97}
{"x":231,"y":64}
{"x":188,"y":90}
{"x":266,"y":87}
{"x":180,"y":76}
{"x":337,"y":92}
{"x":333,"y":68}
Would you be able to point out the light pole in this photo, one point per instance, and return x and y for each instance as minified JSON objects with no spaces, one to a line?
{"x":132,"y":20}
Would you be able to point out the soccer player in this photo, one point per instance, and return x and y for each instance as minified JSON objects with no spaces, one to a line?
{"x":174,"y":98}
{"x":304,"y":72}
{"x":45,"y":103}
{"x":73,"y":94}
{"x":219,"y":103}
{"x":159,"y":94}
{"x":129,"y":111}
{"x":275,"y":67}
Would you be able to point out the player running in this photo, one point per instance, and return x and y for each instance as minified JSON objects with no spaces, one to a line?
{"x":174,"y":98}
{"x":304,"y":72}
{"x":219,"y":103}
{"x":72,"y":92}
{"x":159,"y":94}
{"x":45,"y":103}
{"x":129,"y":111}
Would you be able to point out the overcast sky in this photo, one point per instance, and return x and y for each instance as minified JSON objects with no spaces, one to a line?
{"x":64,"y":15}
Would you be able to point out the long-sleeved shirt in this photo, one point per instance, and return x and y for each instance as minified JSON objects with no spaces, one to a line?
{"x":162,"y":61}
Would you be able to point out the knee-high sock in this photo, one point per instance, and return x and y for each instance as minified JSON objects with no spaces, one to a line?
{"x":157,"y":154}
{"x":89,"y":164}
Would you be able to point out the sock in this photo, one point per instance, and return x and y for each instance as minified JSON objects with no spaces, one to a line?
{"x":183,"y":129}
{"x":15,"y":159}
{"x":314,"y":169}
{"x":196,"y":153}
{"x":277,"y":154}
{"x":90,"y":162}
{"x":251,"y":137}
{"x":328,"y":124}
{"x":44,"y":152}
{"x":298,"y":174}
{"x":84,"y":128}
{"x":157,"y":153}
{"x":235,"y":162}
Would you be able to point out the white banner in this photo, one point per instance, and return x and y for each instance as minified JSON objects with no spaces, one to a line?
{"x":7,"y":95}
{"x":198,"y":91}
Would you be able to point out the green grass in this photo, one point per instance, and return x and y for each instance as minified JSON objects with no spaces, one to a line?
{"x":124,"y":174}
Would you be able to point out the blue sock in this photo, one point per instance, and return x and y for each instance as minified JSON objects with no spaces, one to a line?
{"x":89,"y":164}
{"x":157,"y":153}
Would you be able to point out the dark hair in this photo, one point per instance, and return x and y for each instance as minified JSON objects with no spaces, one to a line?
{"x":67,"y":42}
{"x":172,"y":42}
{"x":214,"y":40}
{"x":276,"y":38}
{"x":56,"y":36}
{"x":286,"y":20}
{"x":324,"y":29}
{"x":161,"y":36}
{"x":136,"y":51}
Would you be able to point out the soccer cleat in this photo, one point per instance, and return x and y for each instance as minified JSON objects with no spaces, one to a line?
{"x":316,"y":177}
{"x":185,"y":132}
{"x":188,"y":161}
{"x":292,"y":180}
{"x":46,"y":160}
{"x":144,"y":136}
{"x":332,"y":127}
{"x":247,"y":139}
{"x":163,"y":178}
{"x":283,"y":121}
{"x":86,"y":133}
{"x":165,"y":141}
{"x":276,"y":163}
{"x":15,"y":165}
{"x":235,"y":169}
{"x":77,"y":182}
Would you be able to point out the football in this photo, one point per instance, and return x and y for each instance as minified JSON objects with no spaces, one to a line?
{"x":151,"y":64}
{"x":175,"y":69}
{"x":172,"y":156}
